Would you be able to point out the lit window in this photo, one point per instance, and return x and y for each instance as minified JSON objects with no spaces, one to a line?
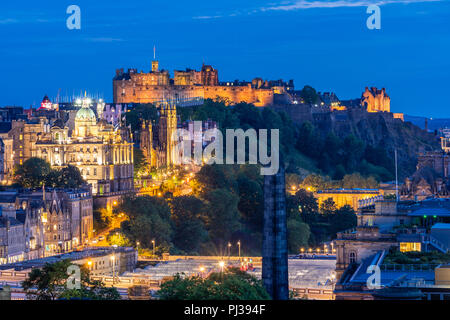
{"x":410,"y":246}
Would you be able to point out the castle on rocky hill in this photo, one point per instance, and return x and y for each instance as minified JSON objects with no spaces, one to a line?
{"x":157,"y":86}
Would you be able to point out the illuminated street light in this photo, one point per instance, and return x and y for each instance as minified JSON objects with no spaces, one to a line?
{"x":239,"y":245}
{"x":221,"y":265}
{"x":153,"y":242}
{"x":202,"y":270}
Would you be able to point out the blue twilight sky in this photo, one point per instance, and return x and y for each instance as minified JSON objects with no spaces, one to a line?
{"x":325,"y":44}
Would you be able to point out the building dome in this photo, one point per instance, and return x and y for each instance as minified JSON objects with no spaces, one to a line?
{"x":85,"y":114}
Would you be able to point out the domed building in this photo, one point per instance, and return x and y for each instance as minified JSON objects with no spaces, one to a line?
{"x":102,"y":152}
{"x":85,"y":122}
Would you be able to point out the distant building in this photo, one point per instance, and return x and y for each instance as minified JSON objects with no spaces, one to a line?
{"x":389,"y":226}
{"x":376,"y":100}
{"x":352,"y":197}
{"x":45,"y":222}
{"x":156,"y":86}
{"x":103,"y":154}
{"x":101,"y":261}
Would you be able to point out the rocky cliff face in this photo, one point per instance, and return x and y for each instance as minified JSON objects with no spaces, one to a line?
{"x":376,"y":129}
{"x":381,"y":129}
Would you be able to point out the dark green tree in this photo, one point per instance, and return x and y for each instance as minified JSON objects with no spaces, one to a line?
{"x":188,"y":216}
{"x":343,"y":219}
{"x":233,"y":284}
{"x":139,"y":113}
{"x":149,"y":219}
{"x":309,"y":95}
{"x":70,"y":177}
{"x":32,"y":173}
{"x":50,"y":283}
{"x":223,"y":215}
{"x":328,"y":207}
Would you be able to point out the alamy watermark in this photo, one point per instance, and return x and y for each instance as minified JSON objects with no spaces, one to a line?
{"x":374,"y":21}
{"x":374,"y":280}
{"x":74,"y":20}
{"x":74,"y":279}
{"x":209,"y":147}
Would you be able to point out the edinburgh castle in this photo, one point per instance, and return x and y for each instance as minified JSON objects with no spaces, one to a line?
{"x":156,"y":86}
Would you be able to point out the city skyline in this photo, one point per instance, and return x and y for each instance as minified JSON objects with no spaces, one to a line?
{"x":259,"y":39}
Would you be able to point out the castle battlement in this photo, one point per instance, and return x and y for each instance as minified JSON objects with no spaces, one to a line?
{"x":153,"y":86}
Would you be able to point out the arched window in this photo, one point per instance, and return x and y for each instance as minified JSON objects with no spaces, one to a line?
{"x":352,"y":257}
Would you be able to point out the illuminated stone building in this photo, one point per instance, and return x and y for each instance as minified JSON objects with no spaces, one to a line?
{"x":103,"y":153}
{"x":157,"y":145}
{"x":156,"y":86}
{"x":24,"y":134}
{"x":351,"y":197}
{"x":46,"y":222}
{"x":376,"y":100}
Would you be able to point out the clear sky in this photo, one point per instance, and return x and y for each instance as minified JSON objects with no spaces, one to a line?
{"x":325,"y":44}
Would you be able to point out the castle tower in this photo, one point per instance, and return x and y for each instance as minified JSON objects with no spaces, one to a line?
{"x":167,"y":130}
{"x":155,"y":66}
{"x":155,"y":63}
{"x":274,"y":251}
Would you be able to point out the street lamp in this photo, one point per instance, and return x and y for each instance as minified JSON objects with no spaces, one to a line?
{"x":239,"y":245}
{"x":153,"y":242}
{"x":229,"y":250}
{"x":202,"y":270}
{"x":221,"y":265}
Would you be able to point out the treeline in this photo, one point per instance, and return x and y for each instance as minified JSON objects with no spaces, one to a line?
{"x":304,"y":146}
{"x":315,"y":182}
{"x":337,"y":157}
{"x":36,"y":172}
{"x":227,"y":206}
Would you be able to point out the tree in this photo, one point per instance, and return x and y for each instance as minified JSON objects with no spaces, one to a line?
{"x":117,"y":238}
{"x":309,"y":142}
{"x":251,"y":203}
{"x":70,"y":177}
{"x":303,"y":203}
{"x":215,"y":177}
{"x":344,"y":219}
{"x":315,"y":182}
{"x":139,"y":113}
{"x":233,"y":284}
{"x":189,"y":228}
{"x":35,"y":172}
{"x":149,"y":219}
{"x":309,"y":95}
{"x":141,"y":166}
{"x":298,"y":234}
{"x":328,"y":207}
{"x":50,"y":283}
{"x":32,"y":173}
{"x":223,"y":218}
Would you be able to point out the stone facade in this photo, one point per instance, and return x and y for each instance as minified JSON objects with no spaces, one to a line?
{"x":342,"y":197}
{"x":103,"y":154}
{"x":46,"y":223}
{"x":376,"y":100}
{"x":156,"y":86}
{"x":275,"y":250}
{"x":353,"y":246}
